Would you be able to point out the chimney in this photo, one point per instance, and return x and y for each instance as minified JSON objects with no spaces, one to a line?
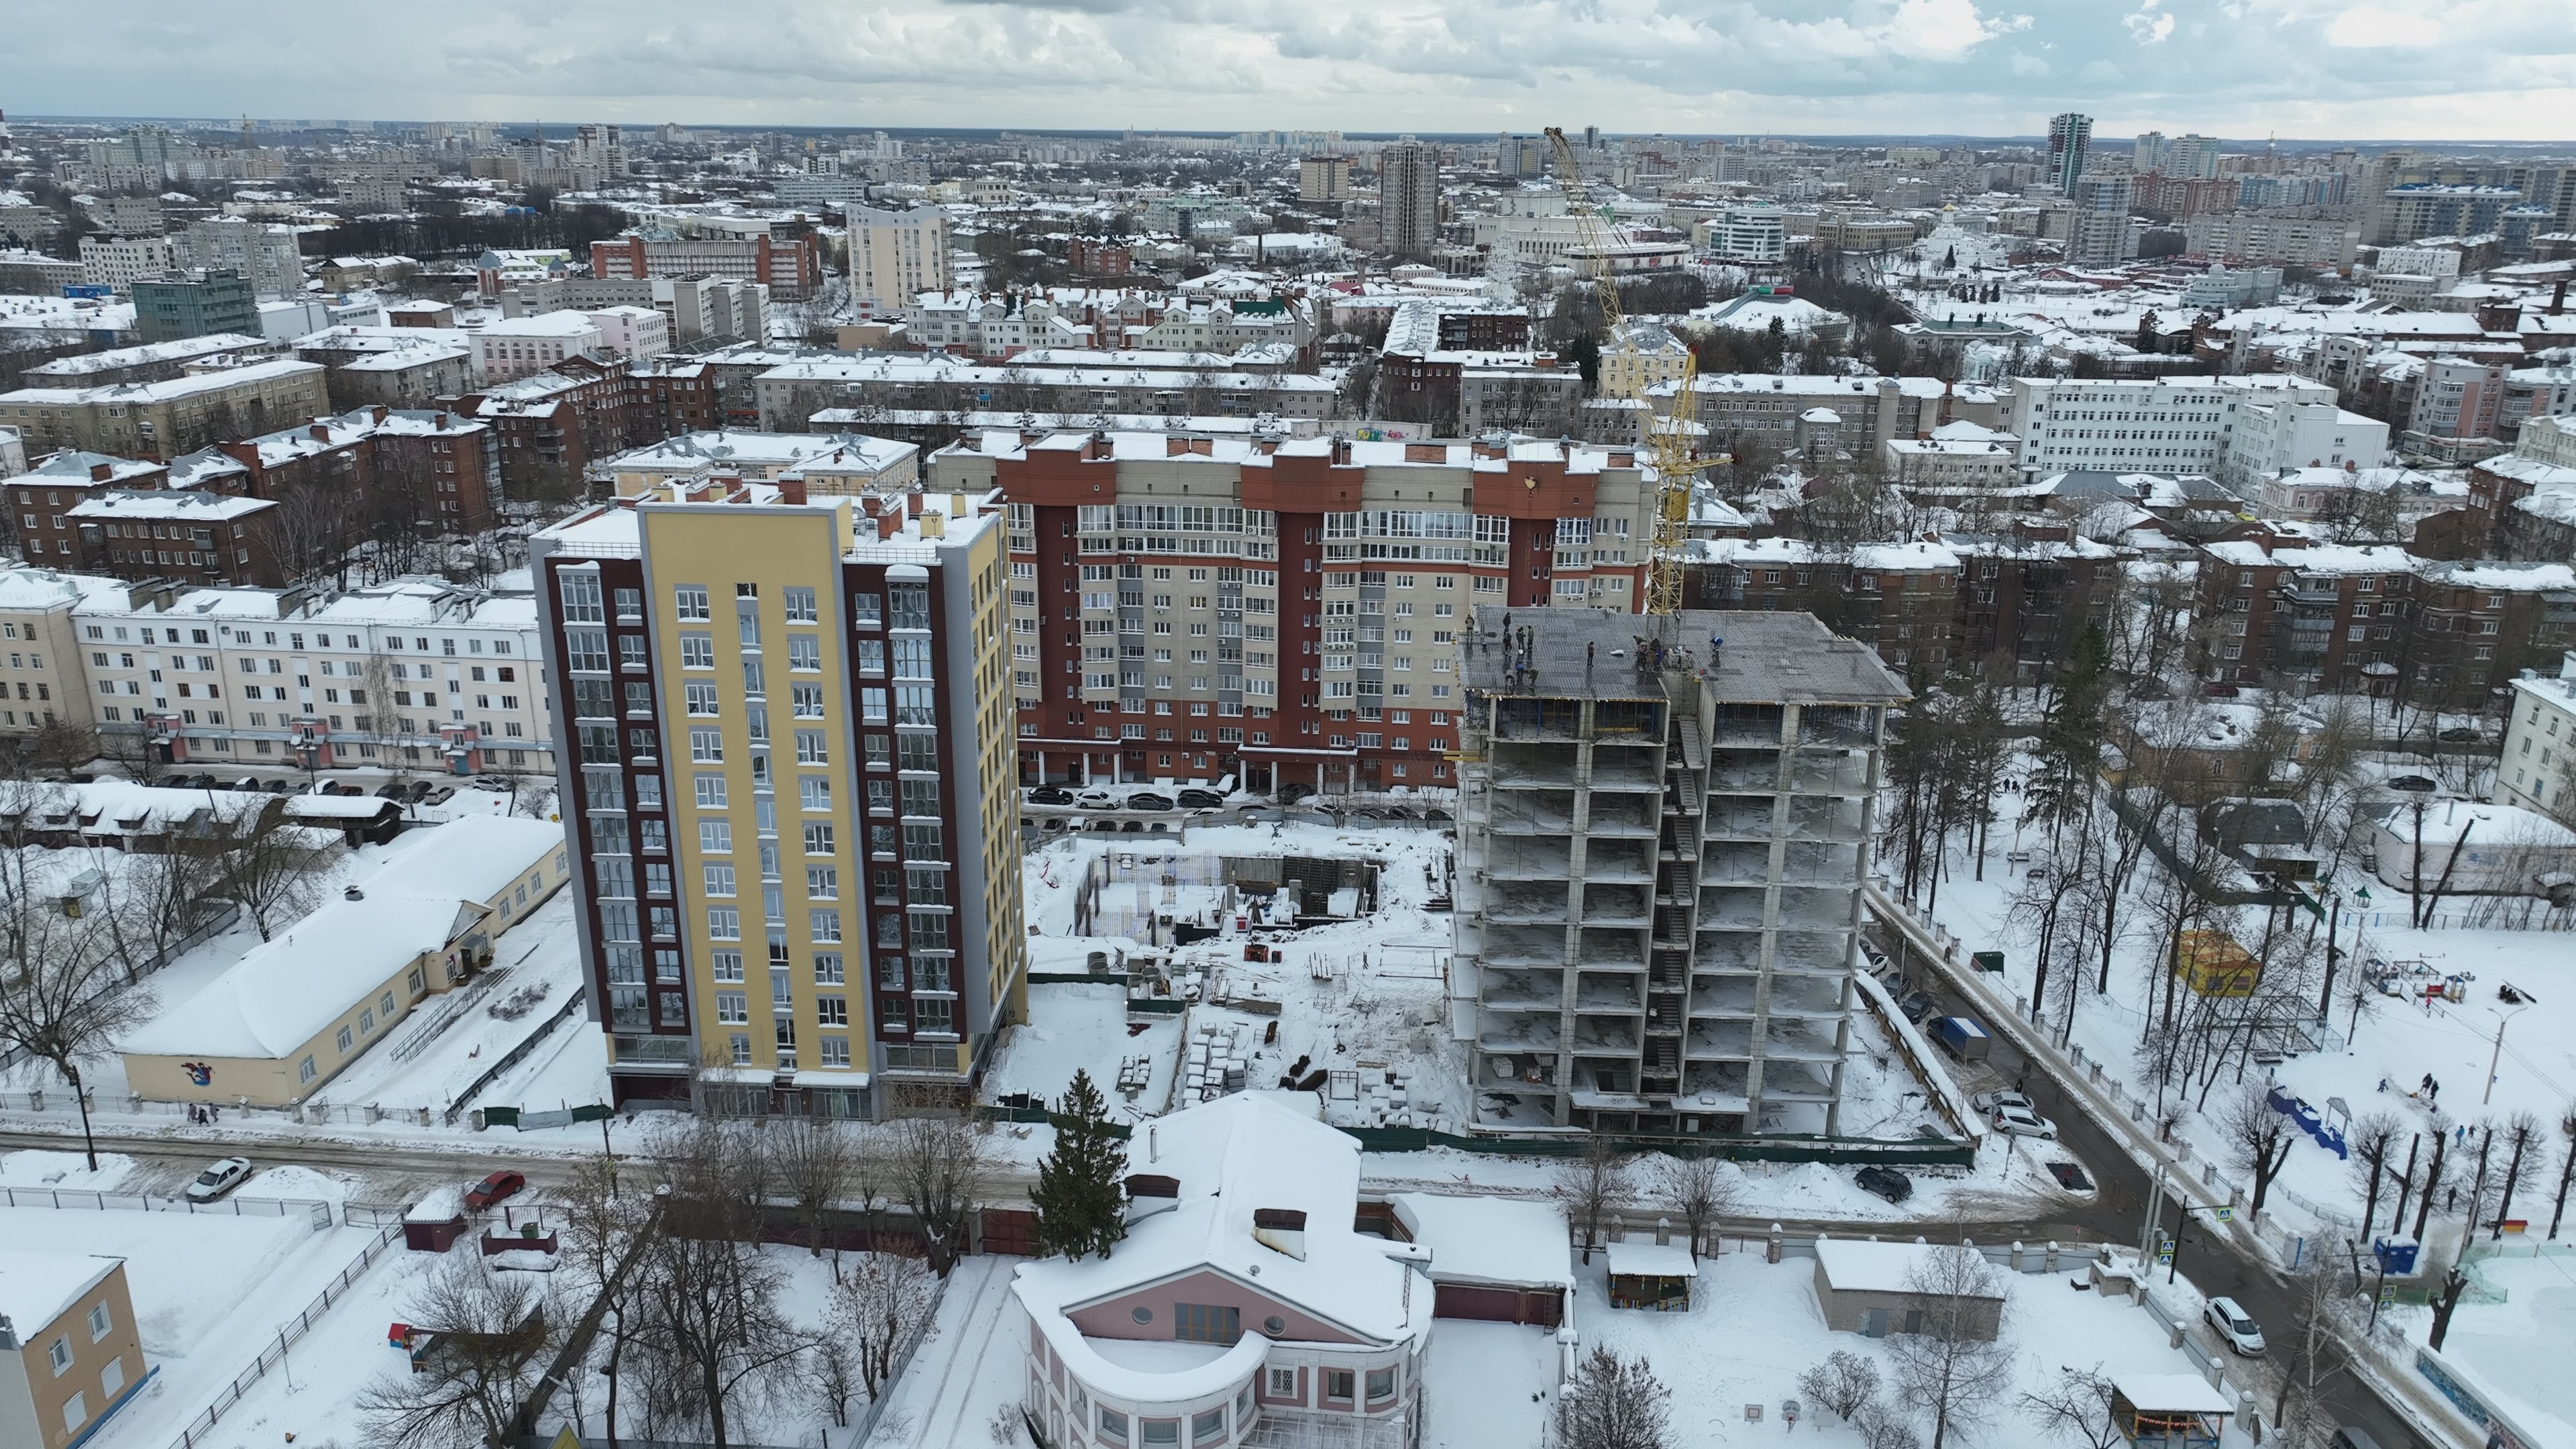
{"x":1149,"y":1193}
{"x":320,"y":433}
{"x":382,"y":413}
{"x":791,"y":488}
{"x":101,"y":472}
{"x":1282,"y":1229}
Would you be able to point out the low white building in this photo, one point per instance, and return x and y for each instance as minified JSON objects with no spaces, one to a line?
{"x":1957,"y":455}
{"x":2538,"y":768}
{"x":2470,"y":849}
{"x":633,"y":332}
{"x":514,"y":347}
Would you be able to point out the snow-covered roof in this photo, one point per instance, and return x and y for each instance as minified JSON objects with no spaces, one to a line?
{"x":2171,"y":1393}
{"x":37,"y":1288}
{"x":1491,"y":1240}
{"x":1652,"y":1260}
{"x":1233,"y":1157}
{"x":427,"y":893}
{"x":1868,"y":1266}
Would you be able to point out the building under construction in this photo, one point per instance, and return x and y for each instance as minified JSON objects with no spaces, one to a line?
{"x":1664,"y":825}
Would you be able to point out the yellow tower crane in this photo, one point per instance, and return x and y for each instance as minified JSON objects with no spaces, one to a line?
{"x":1668,"y":439}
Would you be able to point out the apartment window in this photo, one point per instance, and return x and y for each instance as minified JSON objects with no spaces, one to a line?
{"x":825,"y":927}
{"x":1338,"y":1383}
{"x":832,"y":1010}
{"x":715,"y":836}
{"x":701,"y":698}
{"x":305,"y":1071}
{"x":804,"y":651}
{"x":1381,"y":1384}
{"x":724,"y":923}
{"x":733,"y":1008}
{"x":813,"y":792}
{"x":1283,"y":1383}
{"x":822,"y":882}
{"x":799,"y":603}
{"x":1204,"y":1323}
{"x":345,"y":1040}
{"x":691,"y":600}
{"x":706,"y":747}
{"x":836,"y":1051}
{"x":697,"y":651}
{"x":719,"y":880}
{"x":813,"y":748}
{"x":819,"y":840}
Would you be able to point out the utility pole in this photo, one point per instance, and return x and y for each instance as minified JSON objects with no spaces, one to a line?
{"x":2495,"y":1058}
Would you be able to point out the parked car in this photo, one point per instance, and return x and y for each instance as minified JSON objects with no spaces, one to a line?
{"x":1886,"y":1182}
{"x":281,"y":787}
{"x":248,"y":782}
{"x":1435,"y":813}
{"x":1200,"y":799}
{"x":1148,"y":800}
{"x":1052,"y":824}
{"x":1398,"y":812}
{"x":1132,"y":827}
{"x":392,"y":790}
{"x":439,"y":795}
{"x":2234,"y":1327}
{"x":219,"y":1179}
{"x":1050,"y":795}
{"x":498,"y":784}
{"x":2459,"y":735}
{"x":2417,"y":784}
{"x":1917,"y":1005}
{"x":1291,"y":793}
{"x":1989,"y":1101}
{"x":2022,"y":1122}
{"x":494,"y":1188}
{"x":1095,"y":800}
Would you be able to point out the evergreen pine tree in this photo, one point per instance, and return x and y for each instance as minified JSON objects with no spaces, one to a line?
{"x":1081,"y":1196}
{"x":2070,"y":738}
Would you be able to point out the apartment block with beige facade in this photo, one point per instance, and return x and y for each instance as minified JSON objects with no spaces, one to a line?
{"x":70,"y":1355}
{"x":790,"y":786}
{"x":161,"y":420}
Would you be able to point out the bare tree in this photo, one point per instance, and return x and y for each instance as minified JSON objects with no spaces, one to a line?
{"x":1612,"y":1403}
{"x":2258,"y":1138}
{"x":130,"y":749}
{"x":2077,"y":1407}
{"x":1951,"y":1362}
{"x":707,"y":1339}
{"x":63,"y":747}
{"x":65,"y":997}
{"x":2372,"y":1142}
{"x":269,"y":865}
{"x":884,"y":1301}
{"x":1699,"y":1191}
{"x":2566,"y":1168}
{"x":1881,"y":1428}
{"x":814,"y":1160}
{"x":487,"y":1336}
{"x":1844,"y":1383}
{"x":604,"y":1226}
{"x":2451,"y":1283}
{"x":2522,"y":1136}
{"x":1593,"y":1187}
{"x":2304,"y":1352}
{"x":940,"y":1168}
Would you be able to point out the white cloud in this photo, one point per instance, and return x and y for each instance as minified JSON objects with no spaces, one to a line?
{"x":2147,"y":25}
{"x":2370,"y":27}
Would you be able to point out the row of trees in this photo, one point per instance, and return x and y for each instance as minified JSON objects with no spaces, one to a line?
{"x":686,"y":1334}
{"x":82,"y":928}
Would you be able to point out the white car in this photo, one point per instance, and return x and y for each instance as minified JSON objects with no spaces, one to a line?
{"x":2233,"y":1327}
{"x":219,"y":1179}
{"x":1991,"y":1101}
{"x":1095,"y":800}
{"x":2022,"y":1122}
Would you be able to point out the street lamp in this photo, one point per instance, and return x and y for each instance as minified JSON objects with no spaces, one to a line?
{"x":2496,"y":1058}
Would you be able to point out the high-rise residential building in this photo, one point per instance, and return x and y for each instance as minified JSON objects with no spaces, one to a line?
{"x":2191,"y":157}
{"x":1408,"y":189}
{"x":789,"y":784}
{"x":2148,"y":154}
{"x":791,"y":266}
{"x":896,"y":256}
{"x":265,"y":255}
{"x":1282,"y":610}
{"x":2097,"y":234}
{"x":2069,"y":135}
{"x":120,"y":262}
{"x":1324,"y":178}
{"x":1664,"y":834}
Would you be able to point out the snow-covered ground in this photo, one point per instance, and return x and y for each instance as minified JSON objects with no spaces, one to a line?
{"x":1368,"y":997}
{"x":536,"y":966}
{"x":1754,"y":1327}
{"x":2397,"y":1042}
{"x":966,"y":1369}
{"x":210,"y":1291}
{"x":2514,"y":1353}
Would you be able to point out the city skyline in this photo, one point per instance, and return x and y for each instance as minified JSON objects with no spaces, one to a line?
{"x":2301,"y":68}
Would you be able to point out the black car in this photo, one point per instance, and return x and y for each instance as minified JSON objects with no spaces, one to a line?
{"x":1917,"y":1005}
{"x":1886,"y":1182}
{"x":2418,"y":784}
{"x":1201,"y":800}
{"x":1437,"y":814}
{"x":1398,"y":812}
{"x":1050,"y":795}
{"x":1292,"y":793}
{"x":1147,"y":801}
{"x":2460,"y":736}
{"x":392,"y":790}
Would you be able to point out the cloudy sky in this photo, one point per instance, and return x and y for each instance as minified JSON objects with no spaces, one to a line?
{"x":2467,"y":69}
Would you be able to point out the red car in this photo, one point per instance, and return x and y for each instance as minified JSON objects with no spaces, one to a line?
{"x":494,"y":1188}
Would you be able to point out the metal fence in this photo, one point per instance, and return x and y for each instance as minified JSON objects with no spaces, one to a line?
{"x":230,"y":1207}
{"x":275,"y":1352}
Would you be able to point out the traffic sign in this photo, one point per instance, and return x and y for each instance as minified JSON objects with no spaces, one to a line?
{"x":2227,"y":1214}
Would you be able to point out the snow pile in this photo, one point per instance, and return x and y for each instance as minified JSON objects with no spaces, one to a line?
{"x":37,"y":1167}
